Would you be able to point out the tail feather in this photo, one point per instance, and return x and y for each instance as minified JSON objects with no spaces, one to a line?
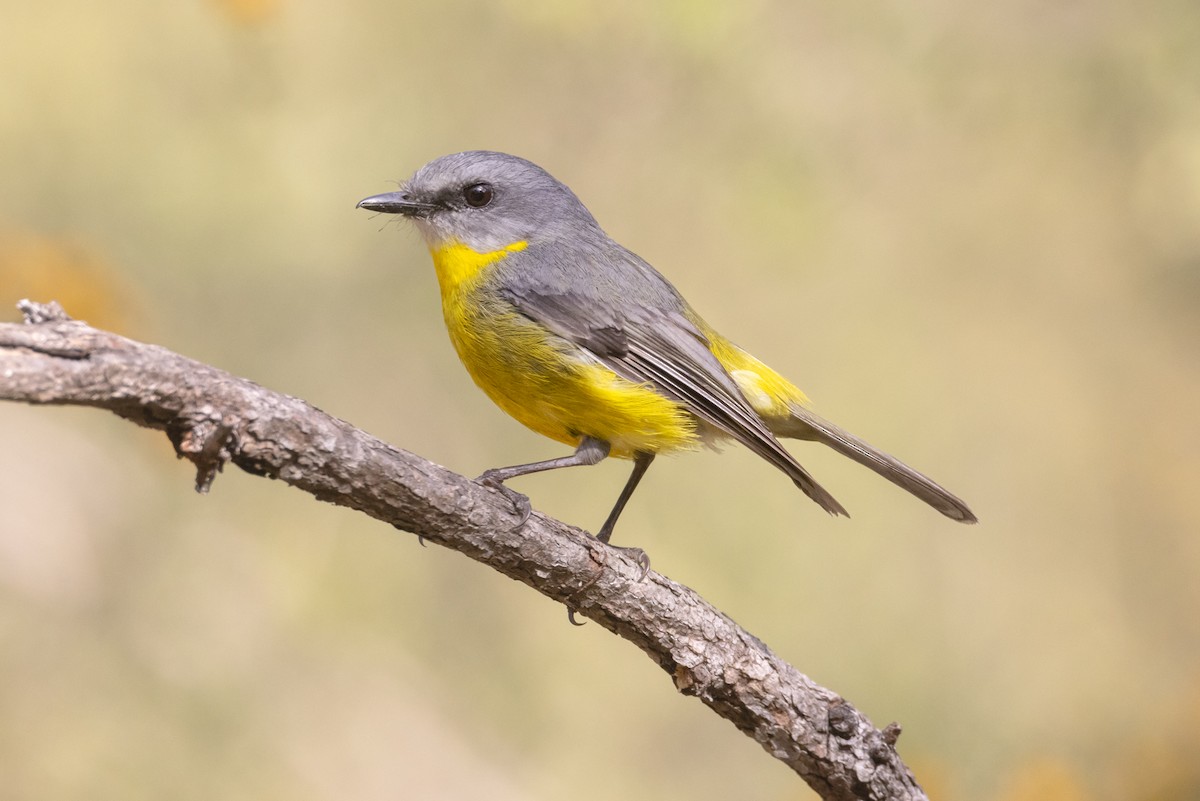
{"x":812,"y":489}
{"x":803,"y":424}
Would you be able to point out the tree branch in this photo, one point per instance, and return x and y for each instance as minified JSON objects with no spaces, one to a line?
{"x":213,"y":417}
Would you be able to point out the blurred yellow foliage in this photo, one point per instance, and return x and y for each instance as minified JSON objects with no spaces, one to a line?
{"x":933,"y":774}
{"x":248,"y":12}
{"x":1045,"y":780}
{"x":42,"y":269}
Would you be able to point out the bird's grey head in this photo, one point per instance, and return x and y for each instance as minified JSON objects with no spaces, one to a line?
{"x":487,"y":201}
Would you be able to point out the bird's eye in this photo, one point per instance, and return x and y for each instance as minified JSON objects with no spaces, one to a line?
{"x":478,"y":195}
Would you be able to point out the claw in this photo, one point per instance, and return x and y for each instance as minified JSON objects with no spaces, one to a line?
{"x":521,"y":505}
{"x":639,"y":556}
{"x":420,"y":538}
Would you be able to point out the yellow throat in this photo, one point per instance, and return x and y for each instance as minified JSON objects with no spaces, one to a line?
{"x":458,"y":264}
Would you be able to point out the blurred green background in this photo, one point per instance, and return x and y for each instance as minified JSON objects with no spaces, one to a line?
{"x":970,"y":231}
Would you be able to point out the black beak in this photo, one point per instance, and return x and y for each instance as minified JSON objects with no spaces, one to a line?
{"x":397,"y":203}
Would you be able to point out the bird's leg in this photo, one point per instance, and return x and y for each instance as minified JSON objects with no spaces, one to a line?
{"x":590,"y":451}
{"x":641,"y":463}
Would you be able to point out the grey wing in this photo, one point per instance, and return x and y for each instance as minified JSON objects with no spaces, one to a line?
{"x":664,"y":349}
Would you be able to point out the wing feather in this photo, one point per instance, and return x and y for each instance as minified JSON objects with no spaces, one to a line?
{"x":664,"y":349}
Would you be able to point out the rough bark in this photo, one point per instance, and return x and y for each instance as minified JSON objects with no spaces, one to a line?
{"x":213,"y":418}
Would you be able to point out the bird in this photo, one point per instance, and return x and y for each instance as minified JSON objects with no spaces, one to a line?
{"x":584,"y":342}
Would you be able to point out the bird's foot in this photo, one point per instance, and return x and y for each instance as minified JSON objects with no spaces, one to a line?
{"x":521,"y":505}
{"x":637,"y":555}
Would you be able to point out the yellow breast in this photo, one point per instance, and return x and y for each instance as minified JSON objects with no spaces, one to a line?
{"x":547,"y":383}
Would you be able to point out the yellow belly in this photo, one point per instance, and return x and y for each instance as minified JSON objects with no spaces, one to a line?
{"x":547,"y":383}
